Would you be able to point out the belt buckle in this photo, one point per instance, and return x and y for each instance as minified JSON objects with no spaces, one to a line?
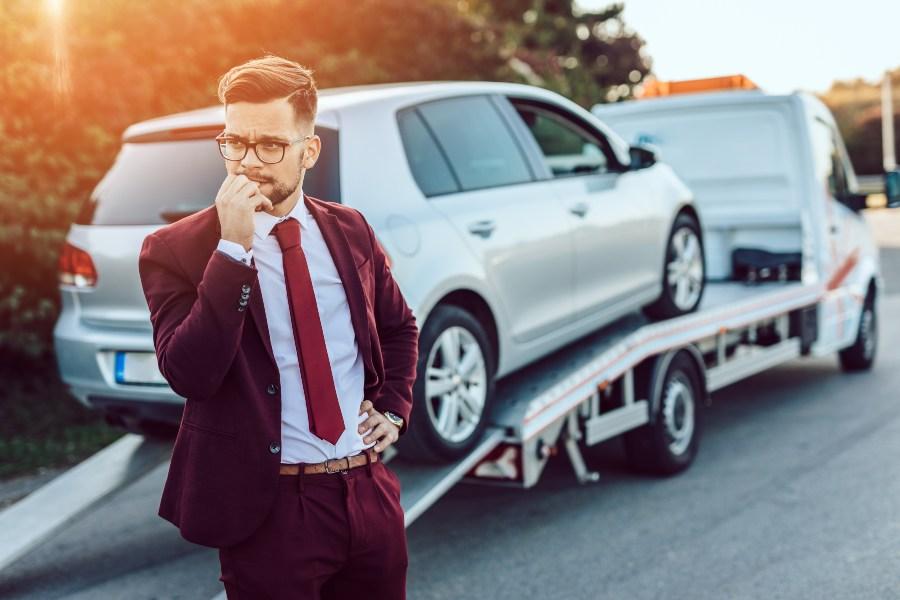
{"x":327,"y":462}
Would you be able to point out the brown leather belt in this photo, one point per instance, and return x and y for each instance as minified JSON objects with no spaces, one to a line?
{"x":333,"y":465}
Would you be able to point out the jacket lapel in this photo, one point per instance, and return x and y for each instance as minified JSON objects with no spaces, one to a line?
{"x":343,"y":260}
{"x":339,"y":248}
{"x":258,"y":313}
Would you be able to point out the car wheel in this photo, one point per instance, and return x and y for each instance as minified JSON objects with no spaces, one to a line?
{"x":453,"y":389}
{"x":669,"y":443}
{"x":861,"y":355}
{"x":683,"y":279}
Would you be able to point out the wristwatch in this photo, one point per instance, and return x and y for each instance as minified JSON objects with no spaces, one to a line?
{"x":394,"y":418}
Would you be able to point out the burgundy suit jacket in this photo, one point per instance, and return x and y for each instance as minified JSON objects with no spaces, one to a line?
{"x":223,"y":476}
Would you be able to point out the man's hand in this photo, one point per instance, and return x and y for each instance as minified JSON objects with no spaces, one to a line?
{"x":377,"y":427}
{"x":237,"y":200}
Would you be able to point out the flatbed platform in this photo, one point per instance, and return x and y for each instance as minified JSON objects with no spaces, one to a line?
{"x":534,"y":402}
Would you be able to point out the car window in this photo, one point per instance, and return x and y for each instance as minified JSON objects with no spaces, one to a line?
{"x":428,"y":165}
{"x":158,"y":182}
{"x":566,"y":148}
{"x":476,"y":141}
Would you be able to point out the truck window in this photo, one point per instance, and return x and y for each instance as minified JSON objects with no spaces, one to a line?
{"x":711,"y":146}
{"x":829,"y":167}
{"x":154,"y":182}
{"x":567,"y":148}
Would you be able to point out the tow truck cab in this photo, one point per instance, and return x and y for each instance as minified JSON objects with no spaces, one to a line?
{"x":774,"y":182}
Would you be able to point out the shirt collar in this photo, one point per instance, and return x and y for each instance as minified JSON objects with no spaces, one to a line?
{"x":263,"y":222}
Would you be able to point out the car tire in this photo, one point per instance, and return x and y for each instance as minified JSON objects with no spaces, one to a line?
{"x":668,"y":445}
{"x":670,"y":302}
{"x":861,"y":355}
{"x":444,"y":427}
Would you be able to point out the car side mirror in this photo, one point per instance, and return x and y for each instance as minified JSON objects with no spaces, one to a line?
{"x":892,"y":188}
{"x":641,"y":157}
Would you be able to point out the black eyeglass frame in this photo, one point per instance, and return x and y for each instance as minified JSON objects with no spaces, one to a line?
{"x":222,"y":137}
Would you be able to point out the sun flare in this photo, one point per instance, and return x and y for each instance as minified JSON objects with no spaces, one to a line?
{"x":61,"y":75}
{"x":55,"y":8}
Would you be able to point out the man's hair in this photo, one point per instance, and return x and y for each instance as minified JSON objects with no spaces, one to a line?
{"x":269,"y":78}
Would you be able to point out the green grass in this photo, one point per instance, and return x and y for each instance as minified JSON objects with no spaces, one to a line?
{"x":41,"y":424}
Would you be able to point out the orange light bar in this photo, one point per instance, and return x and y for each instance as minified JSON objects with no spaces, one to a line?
{"x":654,"y":88}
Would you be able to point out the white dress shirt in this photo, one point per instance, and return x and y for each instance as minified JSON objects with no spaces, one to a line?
{"x":298,"y":444}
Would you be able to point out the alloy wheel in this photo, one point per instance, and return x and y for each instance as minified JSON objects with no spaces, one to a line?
{"x":455,"y":384}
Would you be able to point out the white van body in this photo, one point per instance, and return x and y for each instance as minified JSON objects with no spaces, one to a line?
{"x":766,"y":171}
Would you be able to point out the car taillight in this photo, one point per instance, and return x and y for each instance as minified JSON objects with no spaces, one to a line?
{"x":76,"y":267}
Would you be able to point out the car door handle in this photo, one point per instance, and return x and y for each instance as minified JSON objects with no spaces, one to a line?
{"x":579,"y":209}
{"x":482,"y":228}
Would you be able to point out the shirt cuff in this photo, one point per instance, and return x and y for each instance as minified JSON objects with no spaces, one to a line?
{"x":235,"y":251}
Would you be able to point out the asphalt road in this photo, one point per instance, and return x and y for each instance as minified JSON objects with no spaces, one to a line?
{"x":795,"y":494}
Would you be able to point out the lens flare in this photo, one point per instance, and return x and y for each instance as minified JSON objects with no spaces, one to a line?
{"x":55,"y":8}
{"x":61,"y":77}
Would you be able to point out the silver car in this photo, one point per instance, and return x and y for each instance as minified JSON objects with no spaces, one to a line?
{"x":516,"y":222}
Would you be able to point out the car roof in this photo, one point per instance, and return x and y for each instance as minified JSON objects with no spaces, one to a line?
{"x":339,"y":98}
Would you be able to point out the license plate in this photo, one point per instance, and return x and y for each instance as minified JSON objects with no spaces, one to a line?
{"x":139,"y":368}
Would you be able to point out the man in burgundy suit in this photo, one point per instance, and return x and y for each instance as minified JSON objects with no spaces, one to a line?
{"x":288,"y":404}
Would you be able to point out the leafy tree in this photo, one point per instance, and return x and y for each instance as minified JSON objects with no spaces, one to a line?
{"x":72,"y":83}
{"x":856,"y":106}
{"x":588,"y":56}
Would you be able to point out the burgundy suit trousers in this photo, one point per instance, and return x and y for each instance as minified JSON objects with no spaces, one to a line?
{"x":329,"y":536}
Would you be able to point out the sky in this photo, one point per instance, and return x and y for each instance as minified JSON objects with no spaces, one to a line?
{"x":781,"y":45}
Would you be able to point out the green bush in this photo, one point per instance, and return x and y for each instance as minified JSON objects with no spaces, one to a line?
{"x":41,"y":425}
{"x":72,"y":82}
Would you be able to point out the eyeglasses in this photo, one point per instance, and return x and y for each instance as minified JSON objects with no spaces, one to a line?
{"x":268,"y":151}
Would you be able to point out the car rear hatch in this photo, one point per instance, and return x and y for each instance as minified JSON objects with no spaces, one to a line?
{"x":158,"y":177}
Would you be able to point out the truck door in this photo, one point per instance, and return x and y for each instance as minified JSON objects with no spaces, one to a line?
{"x":846,"y":236}
{"x":832,"y":180}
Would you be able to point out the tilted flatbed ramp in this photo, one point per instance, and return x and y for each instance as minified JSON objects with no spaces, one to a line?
{"x":423,"y":484}
{"x":534,"y":404}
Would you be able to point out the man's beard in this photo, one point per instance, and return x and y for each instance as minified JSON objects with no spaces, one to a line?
{"x":281,"y":191}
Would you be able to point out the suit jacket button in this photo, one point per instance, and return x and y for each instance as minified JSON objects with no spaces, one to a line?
{"x":241,"y":308}
{"x":272,"y":389}
{"x":243,"y":302}
{"x":245,"y":288}
{"x":274,"y":448}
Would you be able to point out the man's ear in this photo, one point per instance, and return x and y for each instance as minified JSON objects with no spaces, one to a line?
{"x":311,"y":152}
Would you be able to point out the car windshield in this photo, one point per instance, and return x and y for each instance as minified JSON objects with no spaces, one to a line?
{"x":160,"y":182}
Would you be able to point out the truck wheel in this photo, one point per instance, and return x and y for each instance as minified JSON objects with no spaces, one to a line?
{"x":669,"y":444}
{"x":453,"y":389}
{"x":861,"y":355}
{"x":684,"y":277}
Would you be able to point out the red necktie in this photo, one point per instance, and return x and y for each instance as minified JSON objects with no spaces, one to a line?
{"x":325,"y":419}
